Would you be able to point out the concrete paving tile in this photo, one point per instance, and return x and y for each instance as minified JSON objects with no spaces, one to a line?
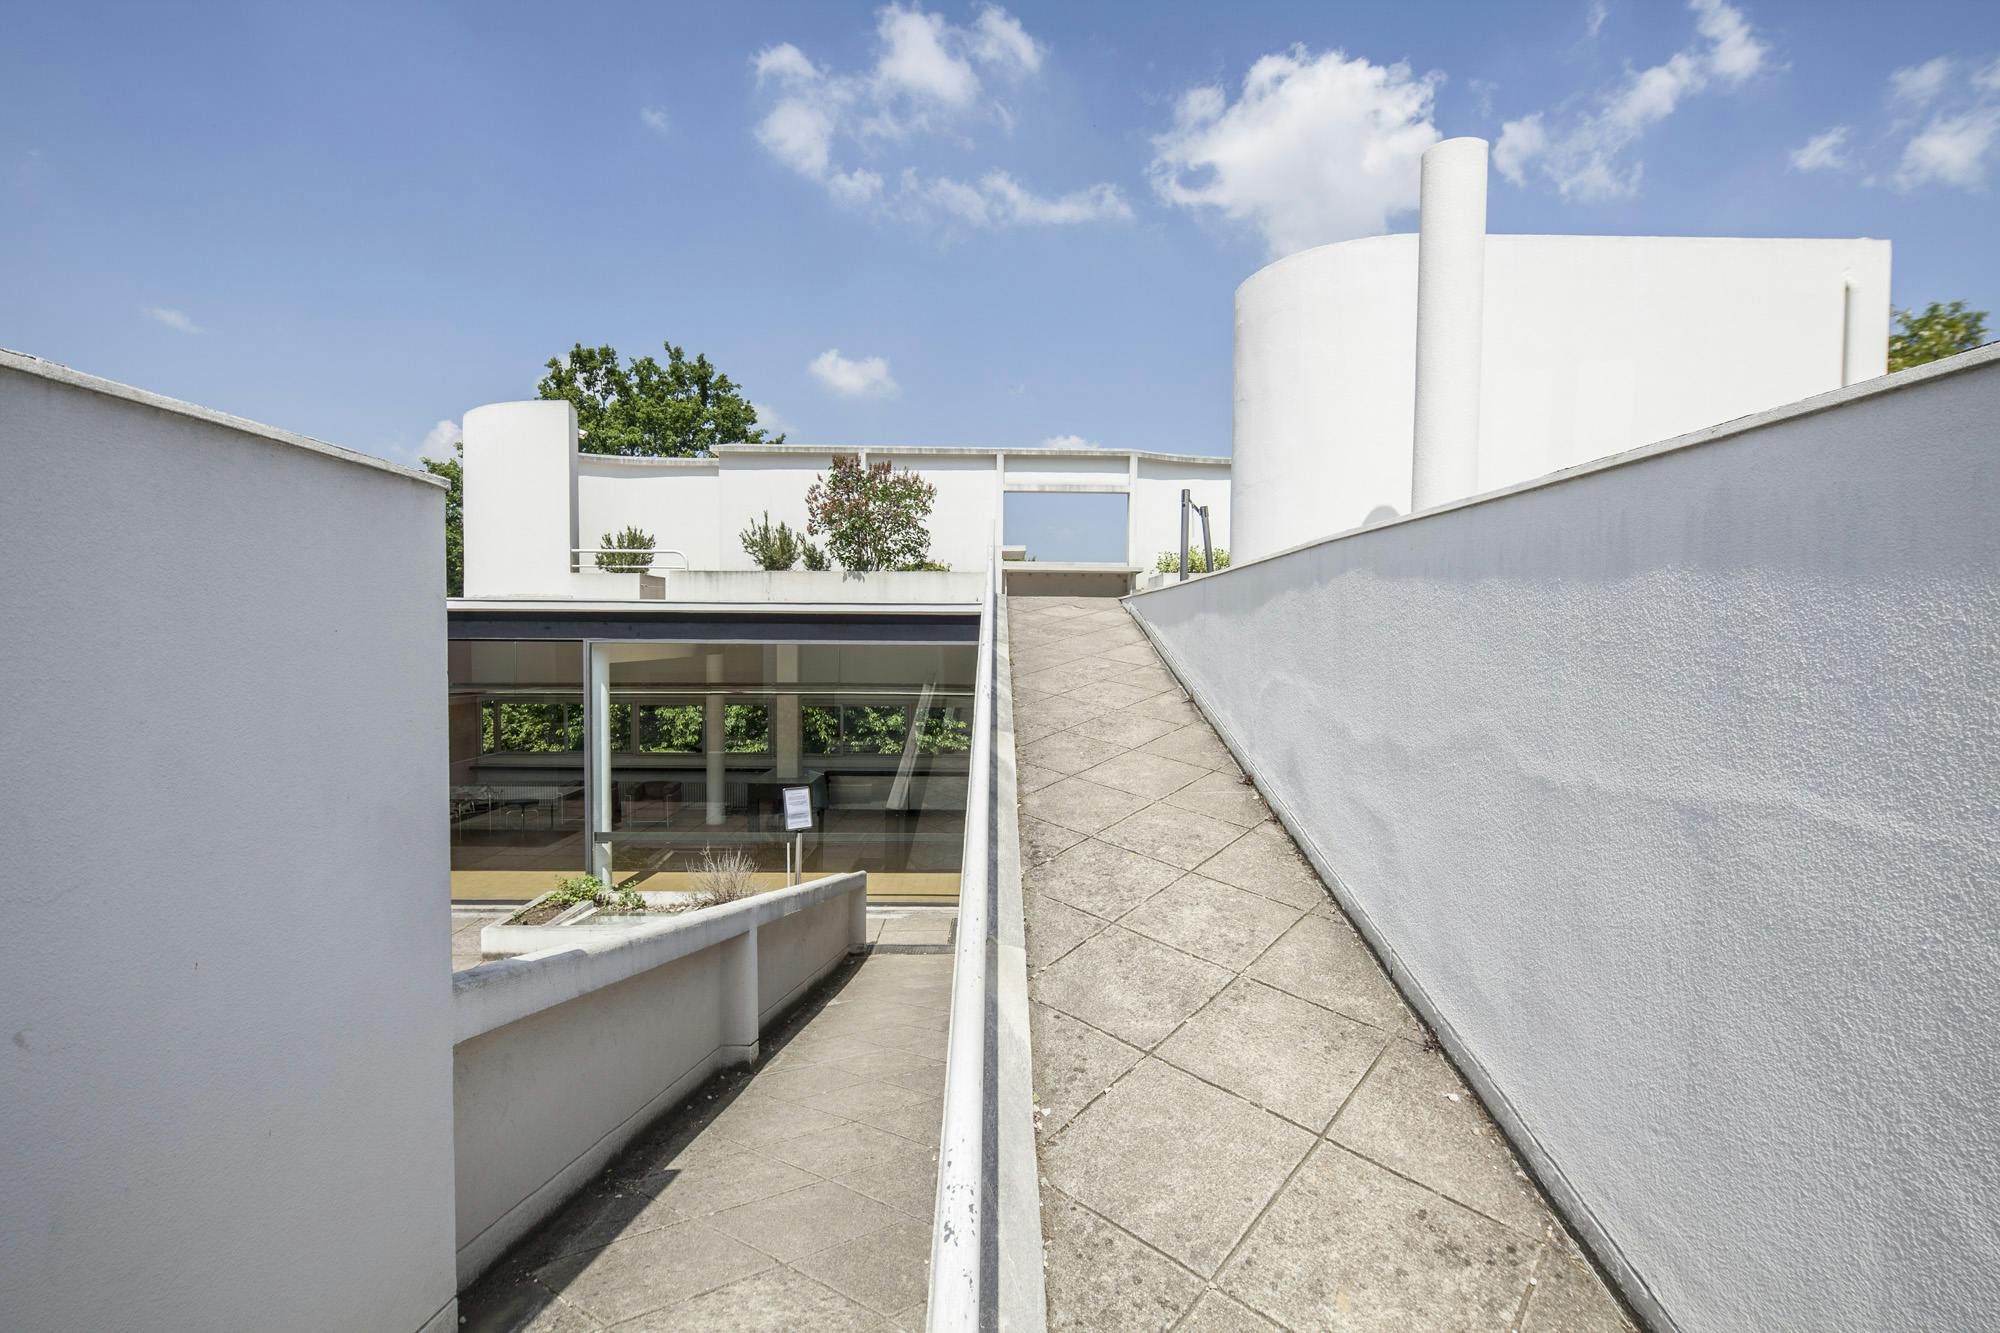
{"x":906,"y":1182}
{"x":647,"y":1272}
{"x":929,"y":1079}
{"x":1223,"y":796}
{"x":848,"y":1148}
{"x":758,"y":1121}
{"x":1054,"y":928}
{"x":895,"y":1035}
{"x":1210,"y":920}
{"x":886,"y":1270}
{"x":1169,"y":705}
{"x":1085,"y":806}
{"x":1100,"y":879}
{"x":1195,"y":744}
{"x":602,"y":1212}
{"x":808,"y":1047}
{"x":681,"y":1194}
{"x":1033,"y":777}
{"x":805,"y":1221}
{"x":1125,"y":727}
{"x":519,"y":1304}
{"x":1068,"y":752}
{"x":916,"y":1121}
{"x":1045,"y":717}
{"x":913,"y":1320}
{"x":1100,"y":1279}
{"x":1148,"y":677}
{"x":1041,"y":840}
{"x":1109,"y":696}
{"x":1150,"y":775}
{"x":1138,"y":653}
{"x":1569,"y":1296}
{"x":1180,"y":837}
{"x":859,"y":1100}
{"x":1074,"y":1062}
{"x":777,"y":1299}
{"x":881,"y":1061}
{"x":1265,"y":861}
{"x":1276,"y":1050}
{"x":1413,"y":1115}
{"x":1217,"y":1313}
{"x":1182,"y":1166}
{"x":1129,"y":986}
{"x":1348,"y":1245}
{"x":1321,"y":959}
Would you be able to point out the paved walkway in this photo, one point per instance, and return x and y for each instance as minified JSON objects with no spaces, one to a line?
{"x":794,"y":1196}
{"x":1240,"y":1125}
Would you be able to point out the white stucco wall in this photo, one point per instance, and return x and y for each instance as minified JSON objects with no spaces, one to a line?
{"x":530,"y":498}
{"x":1670,"y":790}
{"x":1592,"y":345}
{"x":225,"y":739}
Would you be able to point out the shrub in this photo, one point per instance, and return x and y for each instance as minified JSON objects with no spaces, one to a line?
{"x":725,"y":876}
{"x":632,"y":539}
{"x":1170,"y":561}
{"x":872,"y":517}
{"x":814,"y":557}
{"x":771,"y":548}
{"x":589,"y":888}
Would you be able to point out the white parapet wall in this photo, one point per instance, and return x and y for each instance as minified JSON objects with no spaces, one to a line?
{"x":1590,"y":345}
{"x":1667,"y":789}
{"x":222,"y":665}
{"x":564,"y":1055}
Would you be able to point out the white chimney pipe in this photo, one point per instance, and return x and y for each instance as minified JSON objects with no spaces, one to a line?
{"x":1451,"y":298}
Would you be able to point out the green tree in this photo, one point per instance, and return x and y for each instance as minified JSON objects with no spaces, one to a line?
{"x":1941,"y":330}
{"x":640,"y":407}
{"x":452,"y":470}
{"x":872,"y":517}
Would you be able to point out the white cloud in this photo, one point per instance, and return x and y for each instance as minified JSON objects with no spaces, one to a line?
{"x":770,"y":418}
{"x":867,"y":377}
{"x":1916,"y":86}
{"x":928,"y":77}
{"x":1069,"y":442}
{"x":655,"y":119}
{"x":439,"y":439}
{"x":1825,"y":151}
{"x":172,"y":318}
{"x":1582,"y":157}
{"x":1317,"y":148}
{"x":1593,"y":20}
{"x":1988,"y":80}
{"x":1951,"y":150}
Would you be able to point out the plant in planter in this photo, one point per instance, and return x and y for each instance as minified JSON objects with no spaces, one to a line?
{"x":872,"y":517}
{"x":1170,"y":561}
{"x":771,"y":548}
{"x":615,"y":559}
{"x":726,"y":876}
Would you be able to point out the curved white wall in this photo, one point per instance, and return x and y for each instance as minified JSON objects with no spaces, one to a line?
{"x":1592,"y":345}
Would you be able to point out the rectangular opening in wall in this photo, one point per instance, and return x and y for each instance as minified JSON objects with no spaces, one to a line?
{"x":1067,"y":527}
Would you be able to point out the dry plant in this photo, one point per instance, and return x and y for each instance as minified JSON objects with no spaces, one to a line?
{"x":725,"y":876}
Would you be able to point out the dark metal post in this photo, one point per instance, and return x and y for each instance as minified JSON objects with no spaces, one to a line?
{"x":1187,"y":499}
{"x":1207,"y":550}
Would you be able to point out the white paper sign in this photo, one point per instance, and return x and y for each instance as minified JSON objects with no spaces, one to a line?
{"x":798,"y":808}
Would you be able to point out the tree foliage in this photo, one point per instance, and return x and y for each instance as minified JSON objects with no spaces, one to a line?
{"x":771,"y":548}
{"x":873,"y":517}
{"x":453,"y":471}
{"x":1940,"y":330}
{"x":679,"y":410}
{"x":632,"y":539}
{"x":1170,"y":561}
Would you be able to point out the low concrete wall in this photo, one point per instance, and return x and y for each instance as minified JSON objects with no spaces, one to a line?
{"x":563,"y":1055}
{"x":1667,"y":789}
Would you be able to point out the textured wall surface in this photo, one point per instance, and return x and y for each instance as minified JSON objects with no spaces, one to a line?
{"x":224,"y":733}
{"x":1673,"y":788}
{"x":1591,"y":345}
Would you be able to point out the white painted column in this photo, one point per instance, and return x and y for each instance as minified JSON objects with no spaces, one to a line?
{"x":712,"y":738}
{"x":1451,"y":298}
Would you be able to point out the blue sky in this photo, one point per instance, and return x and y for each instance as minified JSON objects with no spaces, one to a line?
{"x":956,"y":224}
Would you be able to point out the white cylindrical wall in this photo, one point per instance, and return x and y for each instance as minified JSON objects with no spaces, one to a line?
{"x":1451,"y":299}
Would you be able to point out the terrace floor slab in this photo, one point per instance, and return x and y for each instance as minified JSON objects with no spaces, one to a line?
{"x":1239,"y":1122}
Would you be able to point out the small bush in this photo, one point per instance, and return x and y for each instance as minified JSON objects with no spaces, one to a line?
{"x":589,"y":888}
{"x":632,"y":539}
{"x":771,"y":548}
{"x":725,"y":876}
{"x":814,"y":557}
{"x":1170,"y":561}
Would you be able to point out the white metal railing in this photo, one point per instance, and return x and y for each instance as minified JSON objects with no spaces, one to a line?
{"x":628,"y":555}
{"x":986,"y":1240}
